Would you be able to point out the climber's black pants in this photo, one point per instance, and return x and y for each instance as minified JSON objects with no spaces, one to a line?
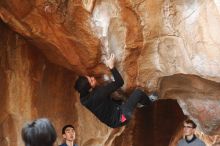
{"x":129,"y":106}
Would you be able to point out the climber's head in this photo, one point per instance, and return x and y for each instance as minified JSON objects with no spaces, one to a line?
{"x":84,"y":83}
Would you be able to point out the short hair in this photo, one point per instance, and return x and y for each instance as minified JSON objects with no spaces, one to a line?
{"x":40,"y":132}
{"x":67,"y":126}
{"x":189,"y":121}
{"x":82,"y":84}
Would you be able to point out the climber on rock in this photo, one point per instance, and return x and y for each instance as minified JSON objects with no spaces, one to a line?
{"x":97,"y":98}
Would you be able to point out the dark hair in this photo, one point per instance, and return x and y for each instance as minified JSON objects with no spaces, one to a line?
{"x":39,"y":133}
{"x":82,"y":84}
{"x":67,"y":126}
{"x":189,"y":121}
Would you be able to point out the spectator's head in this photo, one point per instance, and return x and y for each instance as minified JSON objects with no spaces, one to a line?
{"x":84,"y":83}
{"x":39,"y":133}
{"x":189,"y":127}
{"x":68,"y":133}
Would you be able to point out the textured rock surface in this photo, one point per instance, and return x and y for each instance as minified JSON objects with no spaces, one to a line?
{"x":152,"y":40}
{"x":198,"y":97}
{"x":32,"y":87}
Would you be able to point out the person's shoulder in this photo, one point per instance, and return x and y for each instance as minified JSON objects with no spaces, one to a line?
{"x":201,"y":142}
{"x":63,"y":144}
{"x":75,"y":145}
{"x":180,"y":142}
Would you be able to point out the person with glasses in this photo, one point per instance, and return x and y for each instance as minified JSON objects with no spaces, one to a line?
{"x":40,"y":132}
{"x":189,"y":137}
{"x":69,"y":136}
{"x":98,"y":98}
